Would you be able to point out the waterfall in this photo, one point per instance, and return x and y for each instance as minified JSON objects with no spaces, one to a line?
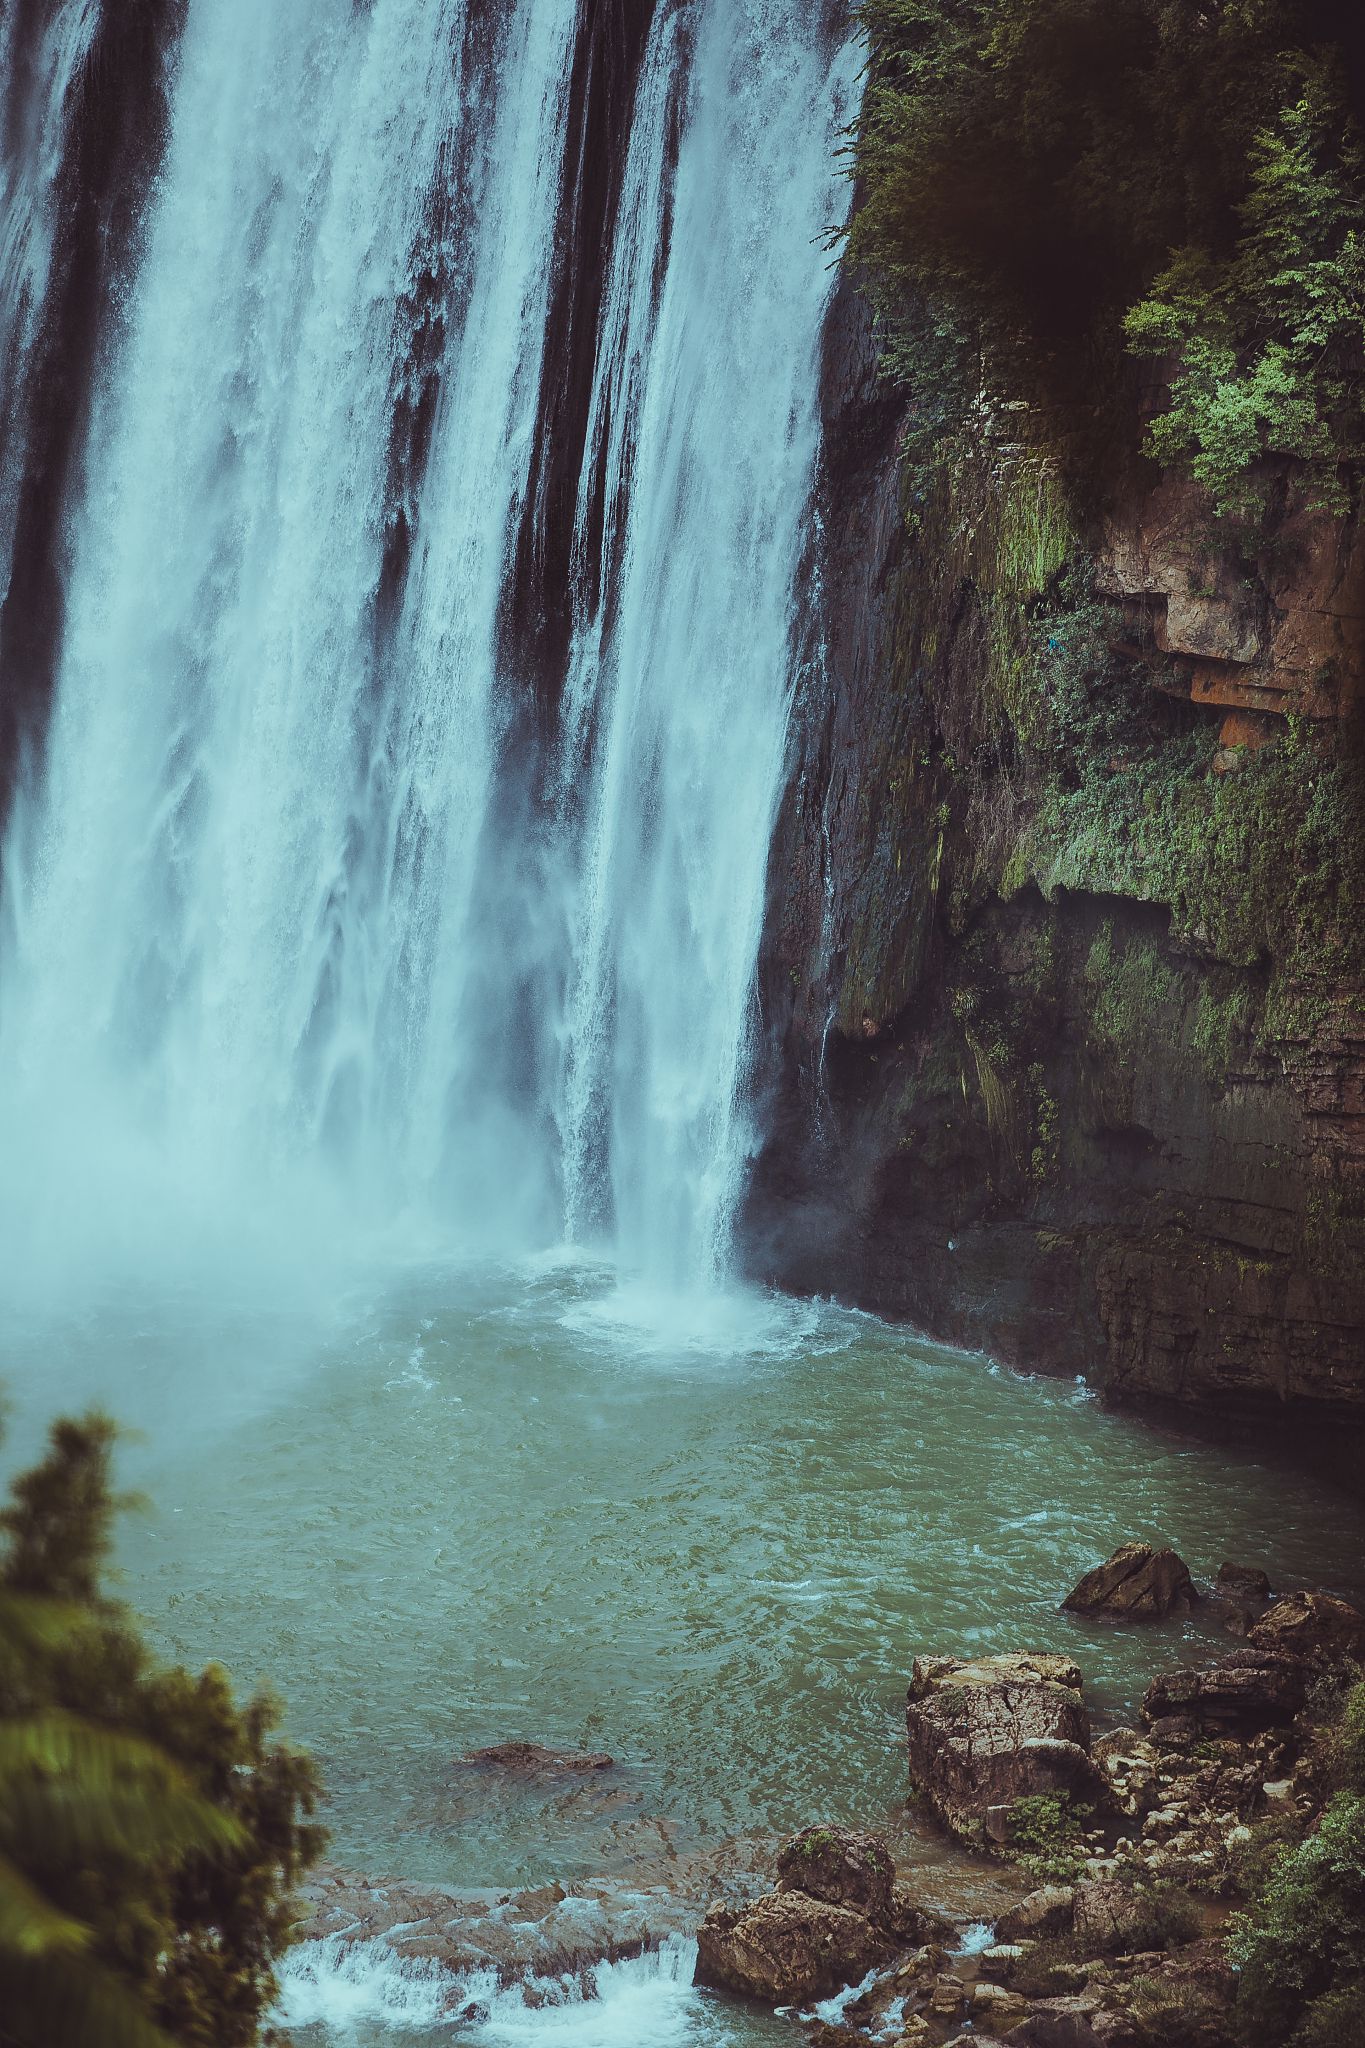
{"x":432,"y":608}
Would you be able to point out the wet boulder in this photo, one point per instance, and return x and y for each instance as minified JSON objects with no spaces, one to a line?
{"x":983,"y":1732}
{"x":837,"y":1912}
{"x":1137,"y":1583}
{"x":1314,"y":1626}
{"x":1242,"y":1582}
{"x":840,"y":1866}
{"x":788,"y":1948}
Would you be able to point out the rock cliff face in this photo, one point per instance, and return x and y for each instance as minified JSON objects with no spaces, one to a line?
{"x":1063,"y":964}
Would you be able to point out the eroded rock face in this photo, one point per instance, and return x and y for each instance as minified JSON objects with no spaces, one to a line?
{"x":1150,"y":1213}
{"x":1136,"y":1584}
{"x":984,"y":1732}
{"x":1312,"y":1625}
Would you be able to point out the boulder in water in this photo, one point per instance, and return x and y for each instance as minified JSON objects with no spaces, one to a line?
{"x":788,"y":1948}
{"x":1242,"y":1582}
{"x":837,"y":1912}
{"x":1137,"y":1583}
{"x":982,"y":1732}
{"x":1244,"y":1694}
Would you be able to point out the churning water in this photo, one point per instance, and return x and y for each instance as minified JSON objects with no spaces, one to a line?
{"x":340,"y":896}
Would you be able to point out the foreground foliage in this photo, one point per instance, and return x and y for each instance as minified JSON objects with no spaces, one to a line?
{"x":150,"y":1830}
{"x":1300,"y":1945}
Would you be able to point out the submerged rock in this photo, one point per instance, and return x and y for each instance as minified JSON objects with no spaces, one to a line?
{"x":1137,"y":1583}
{"x":986,"y":1731}
{"x":533,"y":1760}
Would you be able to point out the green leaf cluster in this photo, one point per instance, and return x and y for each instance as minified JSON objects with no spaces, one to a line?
{"x":151,"y":1830}
{"x":1047,"y":187}
{"x":1300,"y":1946}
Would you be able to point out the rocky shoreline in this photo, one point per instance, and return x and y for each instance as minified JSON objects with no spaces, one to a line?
{"x":1094,"y":1873}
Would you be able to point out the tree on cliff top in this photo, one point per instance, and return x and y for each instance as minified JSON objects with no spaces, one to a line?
{"x":1063,"y":183}
{"x":150,"y":1830}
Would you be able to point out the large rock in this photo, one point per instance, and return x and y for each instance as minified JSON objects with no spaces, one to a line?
{"x":837,"y":1913}
{"x":1312,"y":1625}
{"x":1244,"y":1694}
{"x":1109,"y":1916}
{"x":839,"y":1866}
{"x":788,"y":1948}
{"x":1040,"y":1916}
{"x":983,"y":1732}
{"x":1136,"y":1584}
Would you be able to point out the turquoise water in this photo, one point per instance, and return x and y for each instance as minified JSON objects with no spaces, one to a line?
{"x":461,"y":1505}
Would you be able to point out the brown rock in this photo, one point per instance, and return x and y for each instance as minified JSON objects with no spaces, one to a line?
{"x":983,"y":1732}
{"x":840,"y":1866}
{"x":1068,"y":2022}
{"x":1108,"y":1917}
{"x":1247,"y":1692}
{"x":1313,"y":1625}
{"x":1243,"y":1581}
{"x":1040,"y":1916}
{"x":787,"y":1948}
{"x":1136,"y":1584}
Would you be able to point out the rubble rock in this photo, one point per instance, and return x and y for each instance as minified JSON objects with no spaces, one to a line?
{"x":1312,"y":1625}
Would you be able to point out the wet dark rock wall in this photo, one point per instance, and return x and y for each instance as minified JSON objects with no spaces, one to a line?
{"x":1108,"y":1130}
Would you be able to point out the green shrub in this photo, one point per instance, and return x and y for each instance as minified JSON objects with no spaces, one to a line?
{"x":1045,"y":1832}
{"x":1045,"y":185}
{"x":1300,"y":1945}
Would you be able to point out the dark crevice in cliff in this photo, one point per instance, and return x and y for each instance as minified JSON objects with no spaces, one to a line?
{"x":538,"y":606}
{"x":113,"y":141}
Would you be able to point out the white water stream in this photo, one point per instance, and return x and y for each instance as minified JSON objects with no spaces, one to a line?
{"x":301,"y":936}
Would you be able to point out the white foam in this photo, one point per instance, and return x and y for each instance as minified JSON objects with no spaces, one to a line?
{"x":350,"y":1989}
{"x":339,"y":1985}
